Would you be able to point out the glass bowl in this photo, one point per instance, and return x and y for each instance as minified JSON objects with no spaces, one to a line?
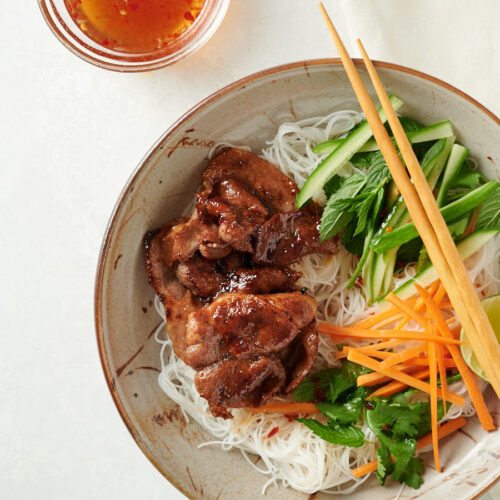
{"x":69,"y":34}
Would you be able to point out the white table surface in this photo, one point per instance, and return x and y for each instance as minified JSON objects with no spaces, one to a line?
{"x":70,"y":136}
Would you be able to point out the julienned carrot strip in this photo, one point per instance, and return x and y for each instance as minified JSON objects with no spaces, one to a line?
{"x":361,"y":359}
{"x":419,"y":305}
{"x":375,"y":319}
{"x":394,"y":387}
{"x":439,"y":295}
{"x":346,"y":331}
{"x":287,"y":408}
{"x":467,"y":376}
{"x":448,"y":362}
{"x":434,"y":389}
{"x":374,"y":378}
{"x":379,"y":345}
{"x":442,"y":371}
{"x":405,"y":355}
{"x":403,"y":306}
{"x":445,"y":430}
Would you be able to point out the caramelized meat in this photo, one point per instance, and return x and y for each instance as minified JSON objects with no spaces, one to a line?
{"x":239,"y":325}
{"x":261,"y":178}
{"x":208,"y":278}
{"x":239,"y":213}
{"x":223,"y":278}
{"x":237,"y":383}
{"x":202,"y":276}
{"x":300,"y":356}
{"x":176,"y":299}
{"x":286,"y":237}
{"x":186,"y":237}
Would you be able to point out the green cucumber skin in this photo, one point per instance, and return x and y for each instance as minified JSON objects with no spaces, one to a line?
{"x":336,"y":160}
{"x":450,"y":213}
{"x":458,"y":155}
{"x":327,"y":147}
{"x":431,"y":133}
{"x":467,"y":247}
{"x":434,"y":132}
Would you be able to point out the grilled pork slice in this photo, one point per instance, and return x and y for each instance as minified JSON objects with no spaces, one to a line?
{"x":208,"y":278}
{"x":240,"y":325}
{"x":259,"y":177}
{"x":176,"y":299}
{"x":286,"y":237}
{"x":300,"y":356}
{"x":239,"y":383}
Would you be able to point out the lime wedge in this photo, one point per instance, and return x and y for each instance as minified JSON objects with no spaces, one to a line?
{"x":492,"y":307}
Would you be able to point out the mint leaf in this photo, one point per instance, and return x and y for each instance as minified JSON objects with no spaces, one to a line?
{"x":334,"y":219}
{"x":333,"y":185}
{"x":352,"y":371}
{"x":489,"y":215}
{"x":315,"y":386}
{"x":346,"y":412}
{"x":466,"y":178}
{"x":337,"y":434}
{"x":409,"y":124}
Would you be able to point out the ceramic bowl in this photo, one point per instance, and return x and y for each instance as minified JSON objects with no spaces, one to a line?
{"x":249,"y":112}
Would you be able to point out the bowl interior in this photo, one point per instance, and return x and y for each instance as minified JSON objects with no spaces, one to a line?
{"x":248,"y":112}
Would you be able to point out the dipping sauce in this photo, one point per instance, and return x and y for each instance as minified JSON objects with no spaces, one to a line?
{"x":134,"y":26}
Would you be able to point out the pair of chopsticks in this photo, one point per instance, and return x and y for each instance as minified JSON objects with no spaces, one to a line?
{"x":424,"y":212}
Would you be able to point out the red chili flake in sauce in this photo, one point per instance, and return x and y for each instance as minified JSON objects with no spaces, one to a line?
{"x":188,"y":16}
{"x":369,"y":405}
{"x":273,"y":431}
{"x":291,"y":418}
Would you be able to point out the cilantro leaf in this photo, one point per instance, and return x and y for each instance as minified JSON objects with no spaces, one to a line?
{"x":489,"y":215}
{"x":412,"y":475}
{"x":385,"y":464}
{"x":402,"y":450}
{"x":337,"y":434}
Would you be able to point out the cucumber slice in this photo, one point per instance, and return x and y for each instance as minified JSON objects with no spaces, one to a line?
{"x":458,"y":155}
{"x":327,"y":147}
{"x":468,"y":246}
{"x":336,"y":160}
{"x":435,"y":168}
{"x":450,"y":213}
{"x":433,"y":132}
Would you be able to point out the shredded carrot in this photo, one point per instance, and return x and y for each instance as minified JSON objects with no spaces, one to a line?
{"x":346,"y":331}
{"x":405,"y":307}
{"x":405,"y":355}
{"x":467,"y":376}
{"x":434,"y":389}
{"x":374,"y":378}
{"x":448,"y":362}
{"x":394,"y":387}
{"x":445,"y":430}
{"x":361,"y":359}
{"x":439,"y":295}
{"x":442,"y":371}
{"x":377,"y":318}
{"x":287,"y":408}
{"x":374,"y":347}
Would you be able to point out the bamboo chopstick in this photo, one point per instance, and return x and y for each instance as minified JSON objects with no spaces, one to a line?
{"x":463,"y":294}
{"x":420,"y":217}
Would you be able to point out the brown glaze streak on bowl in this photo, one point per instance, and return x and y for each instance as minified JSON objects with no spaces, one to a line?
{"x":131,"y":359}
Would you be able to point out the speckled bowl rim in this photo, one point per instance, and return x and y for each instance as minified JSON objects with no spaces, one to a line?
{"x":98,"y":291}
